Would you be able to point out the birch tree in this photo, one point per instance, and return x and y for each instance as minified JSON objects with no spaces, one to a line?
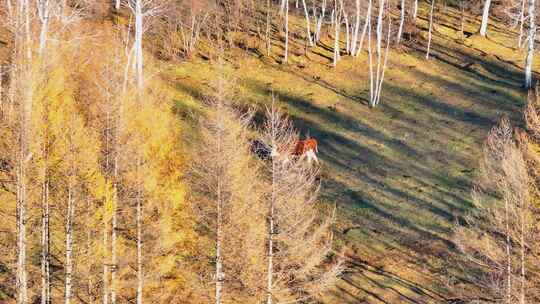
{"x":367,"y":24}
{"x":485,"y":18}
{"x":297,"y":245}
{"x":320,"y":21}
{"x":430,"y":27}
{"x":23,"y":88}
{"x":337,"y":29}
{"x":500,"y":237}
{"x":286,"y":52}
{"x":401,"y":21}
{"x":376,"y":81}
{"x":521,"y":21}
{"x":227,"y":186}
{"x":354,"y":42}
{"x":308,"y":23}
{"x":530,"y":39}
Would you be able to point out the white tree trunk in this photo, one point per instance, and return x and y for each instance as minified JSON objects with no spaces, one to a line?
{"x":271,"y":212}
{"x":114,"y":228}
{"x":219,"y":260}
{"x":21,"y":231}
{"x":24,"y":44}
{"x":370,"y":59}
{"x":105,"y":275}
{"x":43,"y":14}
{"x":308,"y":22}
{"x":337,"y":27}
{"x":381,"y":80}
{"x":320,"y":21}
{"x":531,"y":39}
{"x":430,"y":28}
{"x":286,"y":56}
{"x":21,"y":235}
{"x":69,"y":245}
{"x":401,"y":21}
{"x":521,"y":22}
{"x":508,"y":295}
{"x":379,"y":44}
{"x":270,"y":270}
{"x":347,"y":34}
{"x":268,"y":40}
{"x":415,"y":9}
{"x":376,"y":82}
{"x":140,"y":274}
{"x":366,"y":24}
{"x":45,"y":257}
{"x":485,"y":18}
{"x":354,"y":43}
{"x":138,"y":43}
{"x":117,"y":5}
{"x":523,"y":245}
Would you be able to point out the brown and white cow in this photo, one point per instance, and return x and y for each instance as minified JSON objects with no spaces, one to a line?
{"x":307,"y":148}
{"x":302,"y":149}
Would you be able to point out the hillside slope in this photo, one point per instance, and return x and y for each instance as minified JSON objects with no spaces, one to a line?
{"x":401,"y":173}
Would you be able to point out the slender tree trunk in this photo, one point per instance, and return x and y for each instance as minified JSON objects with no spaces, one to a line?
{"x":354,"y":43}
{"x":415,"y":9}
{"x":117,"y":5}
{"x":138,"y":43}
{"x":521,"y":22}
{"x":485,"y":18}
{"x":308,"y":22}
{"x":286,"y":56}
{"x":347,"y":34}
{"x":401,"y":22}
{"x":271,"y":228}
{"x":45,"y":258}
{"x":337,"y":27}
{"x":219,"y":259}
{"x":140,"y":274}
{"x":105,"y":276}
{"x":531,"y":39}
{"x":508,"y":255}
{"x":370,"y":59}
{"x":268,"y":41}
{"x":21,"y":229}
{"x":114,"y":229}
{"x":43,"y":14}
{"x":430,"y":27}
{"x":381,"y":80}
{"x":379,"y":47}
{"x":27,"y":29}
{"x":366,"y":25}
{"x":462,"y":23}
{"x":24,"y":44}
{"x":320,"y":21}
{"x":523,"y":277}
{"x":69,"y":244}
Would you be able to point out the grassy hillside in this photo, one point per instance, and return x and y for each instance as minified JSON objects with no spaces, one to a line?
{"x":400,"y":174}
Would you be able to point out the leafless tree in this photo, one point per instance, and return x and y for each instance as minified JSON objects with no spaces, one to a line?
{"x":297,"y":246}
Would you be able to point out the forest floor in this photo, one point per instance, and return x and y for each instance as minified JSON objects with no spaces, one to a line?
{"x":400,"y":173}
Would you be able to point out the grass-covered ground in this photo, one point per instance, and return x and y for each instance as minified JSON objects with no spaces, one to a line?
{"x":401,"y":173}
